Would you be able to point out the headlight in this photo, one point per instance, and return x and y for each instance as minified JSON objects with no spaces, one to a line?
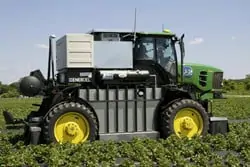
{"x":187,"y":71}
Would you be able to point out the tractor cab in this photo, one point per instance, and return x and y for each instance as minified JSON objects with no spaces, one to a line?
{"x":157,"y":53}
{"x":154,"y":52}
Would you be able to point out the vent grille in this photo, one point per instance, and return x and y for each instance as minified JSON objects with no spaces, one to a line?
{"x":203,"y":78}
{"x":217,"y":80}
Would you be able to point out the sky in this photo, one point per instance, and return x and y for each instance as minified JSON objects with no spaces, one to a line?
{"x":216,"y":32}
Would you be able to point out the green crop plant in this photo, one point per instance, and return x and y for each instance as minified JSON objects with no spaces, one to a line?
{"x":232,"y":149}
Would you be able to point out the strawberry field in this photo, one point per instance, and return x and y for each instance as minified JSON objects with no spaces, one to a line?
{"x":218,"y":150}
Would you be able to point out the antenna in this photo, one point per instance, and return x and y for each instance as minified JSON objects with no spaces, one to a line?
{"x":135,"y":25}
{"x":162,"y":27}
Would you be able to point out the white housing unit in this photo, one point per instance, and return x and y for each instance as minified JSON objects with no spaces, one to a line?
{"x":81,"y":51}
{"x":74,"y":51}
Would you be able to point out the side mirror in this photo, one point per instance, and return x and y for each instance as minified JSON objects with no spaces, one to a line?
{"x":182,"y":36}
{"x":182,"y":45}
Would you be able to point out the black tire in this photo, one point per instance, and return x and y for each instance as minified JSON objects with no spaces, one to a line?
{"x":169,"y":113}
{"x":63,"y":108}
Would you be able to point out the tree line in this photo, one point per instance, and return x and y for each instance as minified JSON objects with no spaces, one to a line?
{"x":9,"y":90}
{"x":240,"y":86}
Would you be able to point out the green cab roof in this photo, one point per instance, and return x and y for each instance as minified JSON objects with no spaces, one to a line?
{"x":164,"y":32}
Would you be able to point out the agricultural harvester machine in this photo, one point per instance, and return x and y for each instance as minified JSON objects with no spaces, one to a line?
{"x":114,"y":85}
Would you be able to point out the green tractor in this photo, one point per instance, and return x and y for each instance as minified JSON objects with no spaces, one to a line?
{"x":203,"y":80}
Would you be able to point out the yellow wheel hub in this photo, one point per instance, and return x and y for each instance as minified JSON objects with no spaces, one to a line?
{"x":71,"y":127}
{"x":188,"y":122}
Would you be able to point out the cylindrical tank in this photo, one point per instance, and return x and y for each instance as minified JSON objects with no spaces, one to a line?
{"x":30,"y":86}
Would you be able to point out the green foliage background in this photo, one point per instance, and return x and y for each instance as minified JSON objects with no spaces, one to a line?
{"x":237,"y":87}
{"x":7,"y":91}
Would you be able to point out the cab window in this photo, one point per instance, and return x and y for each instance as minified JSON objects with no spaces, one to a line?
{"x":145,"y":49}
{"x":166,"y":54}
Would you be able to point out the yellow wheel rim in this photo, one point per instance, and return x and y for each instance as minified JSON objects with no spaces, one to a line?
{"x":188,"y":123}
{"x":71,"y":127}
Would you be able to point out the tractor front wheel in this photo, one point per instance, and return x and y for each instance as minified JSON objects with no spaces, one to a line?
{"x":184,"y":118}
{"x":69,"y":122}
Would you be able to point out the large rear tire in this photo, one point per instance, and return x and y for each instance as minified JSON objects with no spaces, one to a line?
{"x":184,"y":118}
{"x":70,"y":122}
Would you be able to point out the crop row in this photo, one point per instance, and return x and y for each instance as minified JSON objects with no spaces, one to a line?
{"x":232,"y":149}
{"x":233,"y":108}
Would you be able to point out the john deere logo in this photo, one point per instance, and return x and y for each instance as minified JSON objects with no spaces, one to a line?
{"x":187,"y":71}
